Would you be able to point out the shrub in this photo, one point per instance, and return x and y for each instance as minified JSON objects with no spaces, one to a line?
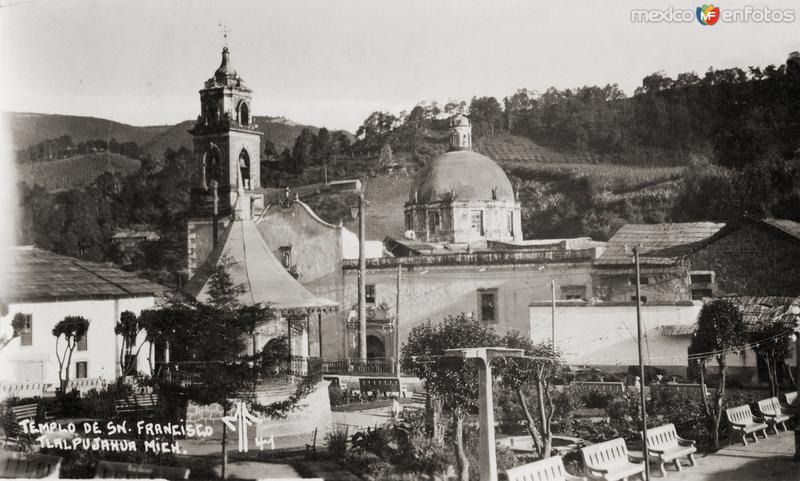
{"x":336,"y":441}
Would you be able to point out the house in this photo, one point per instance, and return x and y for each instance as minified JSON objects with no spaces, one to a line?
{"x":47,"y":287}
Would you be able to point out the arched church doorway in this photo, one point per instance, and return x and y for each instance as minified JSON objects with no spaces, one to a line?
{"x":244,"y":167}
{"x":375,"y":348}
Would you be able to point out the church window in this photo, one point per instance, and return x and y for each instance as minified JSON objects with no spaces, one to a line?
{"x":369,"y":290}
{"x":510,"y":223}
{"x":409,"y":221}
{"x":83,"y":344}
{"x":433,"y":221}
{"x":476,"y":221}
{"x":244,"y":114}
{"x":244,"y":166}
{"x":487,"y":304}
{"x":286,"y":256}
{"x":81,"y":369}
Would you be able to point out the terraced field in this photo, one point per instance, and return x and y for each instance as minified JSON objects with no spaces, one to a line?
{"x":78,"y":171}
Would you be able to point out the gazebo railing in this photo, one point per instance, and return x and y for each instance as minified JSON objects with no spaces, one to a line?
{"x":374,"y":367}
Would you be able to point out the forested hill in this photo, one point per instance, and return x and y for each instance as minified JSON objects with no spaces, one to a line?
{"x":28,"y":129}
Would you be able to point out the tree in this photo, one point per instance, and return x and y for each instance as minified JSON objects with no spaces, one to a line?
{"x":17,"y":325}
{"x":385,"y":158}
{"x":720,"y":330}
{"x":453,"y":380}
{"x":485,"y":114}
{"x":303,"y":147}
{"x":543,"y":362}
{"x":773,"y":348}
{"x":72,"y":328}
{"x":129,"y":327}
{"x":323,"y":147}
{"x":210,"y":362}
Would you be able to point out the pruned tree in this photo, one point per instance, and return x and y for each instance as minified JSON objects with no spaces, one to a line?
{"x":720,"y":330}
{"x":773,"y":348}
{"x":129,"y":327}
{"x":17,"y":325}
{"x":72,"y":328}
{"x":453,"y":380}
{"x":543,"y":362}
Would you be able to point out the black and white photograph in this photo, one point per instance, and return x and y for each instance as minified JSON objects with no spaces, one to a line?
{"x":400,"y":240}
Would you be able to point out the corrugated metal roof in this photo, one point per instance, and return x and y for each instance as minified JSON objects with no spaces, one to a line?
{"x":263,"y":277}
{"x":40,"y":275}
{"x":787,"y":226}
{"x":660,"y":244}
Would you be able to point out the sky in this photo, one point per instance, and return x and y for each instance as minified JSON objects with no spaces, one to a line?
{"x":332,"y":62}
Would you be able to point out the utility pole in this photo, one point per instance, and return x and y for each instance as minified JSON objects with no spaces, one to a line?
{"x":397,"y":323}
{"x":362,"y":274}
{"x":641,"y":365}
{"x":215,"y":213}
{"x":553,"y":320}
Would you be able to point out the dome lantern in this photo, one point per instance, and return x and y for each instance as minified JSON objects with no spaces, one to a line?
{"x":460,"y":133}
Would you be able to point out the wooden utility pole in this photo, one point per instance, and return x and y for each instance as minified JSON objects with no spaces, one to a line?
{"x":553,"y":313}
{"x":397,"y":324}
{"x":362,"y":274}
{"x":215,"y":213}
{"x":641,"y":365}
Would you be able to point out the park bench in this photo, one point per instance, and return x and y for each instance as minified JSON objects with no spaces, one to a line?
{"x":11,"y":424}
{"x":604,"y":387}
{"x":789,"y":399}
{"x":611,"y":461}
{"x":741,"y":418}
{"x":770,"y":409}
{"x":665,"y":446}
{"x":28,"y":465}
{"x":550,"y":469}
{"x":373,"y":385}
{"x":117,"y":470}
{"x":138,"y":404}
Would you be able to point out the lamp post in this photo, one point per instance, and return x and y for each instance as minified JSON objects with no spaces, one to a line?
{"x":487,"y":456}
{"x":642,"y":397}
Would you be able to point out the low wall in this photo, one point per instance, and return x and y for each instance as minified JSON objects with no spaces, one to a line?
{"x":312,"y":412}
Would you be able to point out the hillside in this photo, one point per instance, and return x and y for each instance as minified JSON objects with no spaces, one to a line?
{"x":30,"y":128}
{"x":77,"y":171}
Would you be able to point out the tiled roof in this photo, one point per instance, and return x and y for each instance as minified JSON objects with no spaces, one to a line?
{"x":660,"y":244}
{"x":761,"y":311}
{"x":789,"y":227}
{"x":254,"y":267}
{"x":40,"y":275}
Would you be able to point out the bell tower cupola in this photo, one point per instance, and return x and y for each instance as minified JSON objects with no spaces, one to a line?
{"x":227,"y":144}
{"x":460,"y":133}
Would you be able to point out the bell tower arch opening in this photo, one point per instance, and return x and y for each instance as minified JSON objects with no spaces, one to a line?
{"x":244,"y":169}
{"x":212,"y":167}
{"x":244,"y":114}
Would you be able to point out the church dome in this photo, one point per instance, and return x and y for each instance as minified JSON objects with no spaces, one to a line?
{"x":466,"y":174}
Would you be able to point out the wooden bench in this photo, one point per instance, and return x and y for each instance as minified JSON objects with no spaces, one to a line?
{"x":550,"y":469}
{"x":11,"y":424}
{"x":611,"y":461}
{"x":741,"y":418}
{"x":116,"y":470}
{"x":137,"y":404}
{"x":370,"y":385}
{"x":772,"y":411}
{"x":604,"y":387}
{"x":28,"y":465}
{"x":312,"y":447}
{"x":665,"y":446}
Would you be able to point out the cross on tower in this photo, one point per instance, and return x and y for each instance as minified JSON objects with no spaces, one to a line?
{"x":225,"y":31}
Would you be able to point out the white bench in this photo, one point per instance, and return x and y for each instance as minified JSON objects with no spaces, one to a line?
{"x":666,"y":446}
{"x":550,"y":469}
{"x":773,"y":413}
{"x":611,"y":461}
{"x":27,"y":465}
{"x":741,"y":418}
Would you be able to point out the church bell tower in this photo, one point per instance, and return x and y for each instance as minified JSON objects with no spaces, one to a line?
{"x":227,"y":148}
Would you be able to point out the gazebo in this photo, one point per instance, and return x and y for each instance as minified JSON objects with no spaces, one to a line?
{"x":253,"y":266}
